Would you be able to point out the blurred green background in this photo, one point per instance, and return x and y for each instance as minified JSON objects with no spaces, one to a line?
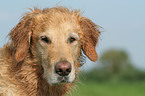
{"x":121,"y":49}
{"x":114,"y":76}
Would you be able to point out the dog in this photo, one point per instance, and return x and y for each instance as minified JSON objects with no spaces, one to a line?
{"x":44,"y":52}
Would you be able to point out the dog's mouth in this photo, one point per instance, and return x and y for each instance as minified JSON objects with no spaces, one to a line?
{"x":55,"y":79}
{"x":60,"y":80}
{"x":63,"y":79}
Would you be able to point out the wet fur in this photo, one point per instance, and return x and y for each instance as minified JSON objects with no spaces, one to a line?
{"x":21,"y":71}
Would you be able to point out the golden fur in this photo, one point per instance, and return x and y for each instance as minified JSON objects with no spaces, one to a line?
{"x":25,"y":61}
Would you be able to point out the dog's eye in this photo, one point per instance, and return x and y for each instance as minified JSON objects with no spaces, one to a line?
{"x":72,"y":39}
{"x":45,"y":39}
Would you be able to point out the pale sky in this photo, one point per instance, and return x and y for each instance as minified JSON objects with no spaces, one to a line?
{"x":123,"y":22}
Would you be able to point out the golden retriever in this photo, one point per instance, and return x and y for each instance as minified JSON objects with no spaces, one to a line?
{"x":43,"y":55}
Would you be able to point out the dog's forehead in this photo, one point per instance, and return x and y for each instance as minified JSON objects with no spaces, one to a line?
{"x":57,"y":24}
{"x":59,"y":30}
{"x":63,"y":31}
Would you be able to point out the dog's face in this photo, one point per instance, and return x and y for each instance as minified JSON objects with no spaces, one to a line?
{"x":56,"y":39}
{"x":58,"y":47}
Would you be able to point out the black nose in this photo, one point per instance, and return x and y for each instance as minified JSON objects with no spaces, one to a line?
{"x":63,"y":68}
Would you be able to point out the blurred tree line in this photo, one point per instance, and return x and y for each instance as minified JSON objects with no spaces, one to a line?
{"x":114,"y":65}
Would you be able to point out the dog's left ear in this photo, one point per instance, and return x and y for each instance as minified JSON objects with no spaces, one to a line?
{"x":90,"y":38}
{"x":21,"y":37}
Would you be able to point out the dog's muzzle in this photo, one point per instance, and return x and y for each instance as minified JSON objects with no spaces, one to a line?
{"x":63,"y":69}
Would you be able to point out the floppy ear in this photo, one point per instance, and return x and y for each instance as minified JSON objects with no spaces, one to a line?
{"x":21,"y":37}
{"x":90,"y":38}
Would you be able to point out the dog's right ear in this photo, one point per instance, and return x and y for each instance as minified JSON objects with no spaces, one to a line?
{"x":21,"y":37}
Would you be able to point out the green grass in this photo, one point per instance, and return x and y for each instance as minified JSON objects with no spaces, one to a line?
{"x":110,"y":89}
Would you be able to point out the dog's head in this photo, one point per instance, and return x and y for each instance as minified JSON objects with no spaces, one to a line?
{"x":55,"y":37}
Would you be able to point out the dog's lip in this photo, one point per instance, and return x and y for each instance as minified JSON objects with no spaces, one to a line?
{"x":63,"y":79}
